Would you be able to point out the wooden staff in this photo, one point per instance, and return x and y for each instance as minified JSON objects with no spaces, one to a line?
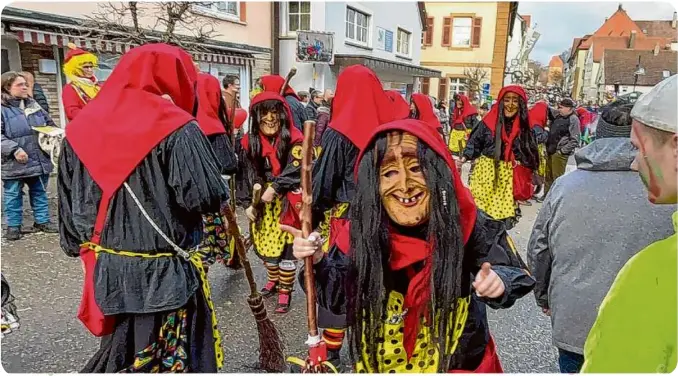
{"x":290,"y":74}
{"x":306,"y":222}
{"x":256,"y":198}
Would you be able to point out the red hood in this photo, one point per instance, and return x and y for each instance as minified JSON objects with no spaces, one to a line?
{"x":209,"y":98}
{"x":425,"y":109}
{"x":128,"y":118}
{"x":360,"y":104}
{"x":492,"y":117}
{"x":466,"y":111}
{"x":296,"y":135}
{"x":274,"y":83}
{"x":402,"y":109}
{"x":539,"y":114}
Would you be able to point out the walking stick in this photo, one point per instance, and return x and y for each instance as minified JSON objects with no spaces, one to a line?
{"x":316,"y":362}
{"x":271,"y":349}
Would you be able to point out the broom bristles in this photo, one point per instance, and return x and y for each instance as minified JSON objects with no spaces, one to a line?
{"x":271,"y":349}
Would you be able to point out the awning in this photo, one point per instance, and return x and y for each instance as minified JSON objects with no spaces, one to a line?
{"x":383,"y":65}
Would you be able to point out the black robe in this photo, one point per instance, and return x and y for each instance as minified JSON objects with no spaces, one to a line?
{"x":481,"y":142}
{"x":224,"y":152}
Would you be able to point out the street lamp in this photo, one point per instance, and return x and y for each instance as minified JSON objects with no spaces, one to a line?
{"x":640,"y":71}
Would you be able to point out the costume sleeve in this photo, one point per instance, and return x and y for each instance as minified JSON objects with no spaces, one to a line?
{"x":244,"y":177}
{"x":68,"y":237}
{"x":471,"y":121}
{"x":539,"y":256}
{"x":290,"y":177}
{"x":221,"y":144}
{"x":331,"y":276}
{"x":193,"y":174}
{"x":327,"y":172}
{"x":476,"y":142}
{"x":9,"y":147}
{"x":540,"y":134}
{"x":72,"y":102}
{"x":489,"y":242}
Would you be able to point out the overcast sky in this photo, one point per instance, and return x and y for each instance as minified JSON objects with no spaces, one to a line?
{"x":560,"y":22}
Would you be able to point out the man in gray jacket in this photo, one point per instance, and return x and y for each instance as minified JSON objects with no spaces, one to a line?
{"x":563,"y":139}
{"x":593,"y":221}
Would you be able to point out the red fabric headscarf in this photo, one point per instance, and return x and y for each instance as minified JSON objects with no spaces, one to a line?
{"x":538,"y":114}
{"x":407,"y":251}
{"x":461,"y":114}
{"x":402,"y":109}
{"x":360,"y":105}
{"x":492,"y":118}
{"x":128,"y":118}
{"x":425,"y":109}
{"x":274,"y":83}
{"x":209,"y":98}
{"x":269,"y":150}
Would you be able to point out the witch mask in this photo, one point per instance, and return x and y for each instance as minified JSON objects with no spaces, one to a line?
{"x":511,"y":104}
{"x":402,"y":185}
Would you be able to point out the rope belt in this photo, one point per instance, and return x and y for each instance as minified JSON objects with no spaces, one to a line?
{"x":196,"y":260}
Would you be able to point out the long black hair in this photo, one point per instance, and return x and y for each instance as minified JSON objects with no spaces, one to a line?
{"x":255,"y":143}
{"x":370,"y":253}
{"x":527,"y":143}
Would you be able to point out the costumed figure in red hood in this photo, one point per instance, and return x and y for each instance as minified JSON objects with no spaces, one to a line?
{"x":213,"y":121}
{"x":421,"y":108}
{"x":359,"y":106}
{"x":404,"y":269}
{"x":540,"y":115}
{"x":504,"y":149}
{"x":464,"y":120}
{"x":402,"y":110}
{"x":274,"y":83}
{"x":79,"y":66}
{"x":132,"y":191}
{"x":270,"y":155}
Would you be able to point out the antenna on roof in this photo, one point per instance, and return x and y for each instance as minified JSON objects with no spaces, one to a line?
{"x":620,"y":7}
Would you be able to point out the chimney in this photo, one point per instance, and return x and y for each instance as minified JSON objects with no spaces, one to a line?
{"x":675,"y":20}
{"x":632,"y":40}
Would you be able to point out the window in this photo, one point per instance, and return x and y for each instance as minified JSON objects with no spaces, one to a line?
{"x":357,"y":26}
{"x":427,"y":36}
{"x":425,"y":82}
{"x":403,"y":42}
{"x":219,"y":8}
{"x":299,"y":15}
{"x":475,"y":35}
{"x":458,"y":86}
{"x":447,"y":31}
{"x":442,"y":89}
{"x":461,"y":31}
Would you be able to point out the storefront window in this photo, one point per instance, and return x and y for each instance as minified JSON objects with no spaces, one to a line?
{"x":106,"y":64}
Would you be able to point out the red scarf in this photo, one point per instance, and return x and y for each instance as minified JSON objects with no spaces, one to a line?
{"x":425,"y":109}
{"x":539,"y":114}
{"x":492,"y":118}
{"x":209,"y":98}
{"x":269,"y":150}
{"x":460,"y":114}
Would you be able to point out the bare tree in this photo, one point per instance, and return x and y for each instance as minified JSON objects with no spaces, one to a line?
{"x":475,"y":76}
{"x":535,"y":71}
{"x":556,"y":78}
{"x":173,"y":22}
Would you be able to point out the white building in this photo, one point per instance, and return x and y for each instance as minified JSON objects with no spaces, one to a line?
{"x":384,"y":36}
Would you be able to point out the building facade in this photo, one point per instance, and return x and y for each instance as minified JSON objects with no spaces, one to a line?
{"x":467,"y":42}
{"x":35,"y":36}
{"x":385,"y":36}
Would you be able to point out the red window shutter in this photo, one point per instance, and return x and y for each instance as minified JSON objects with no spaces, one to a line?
{"x":428,"y":39}
{"x":425,"y":85}
{"x":442,"y":89}
{"x":476,"y":32}
{"x":447,"y":31}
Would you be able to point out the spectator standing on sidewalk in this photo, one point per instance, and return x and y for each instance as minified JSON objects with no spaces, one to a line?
{"x":635,"y":331}
{"x":231,"y":92}
{"x":562,"y":141}
{"x":314,"y":104}
{"x":593,"y":221}
{"x":23,"y":161}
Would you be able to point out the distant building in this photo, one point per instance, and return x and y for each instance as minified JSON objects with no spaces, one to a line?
{"x":555,"y":72}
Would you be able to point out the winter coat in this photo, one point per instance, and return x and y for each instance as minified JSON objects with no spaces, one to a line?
{"x":39,"y":96}
{"x":311,"y":111}
{"x":563,"y":135}
{"x":298,"y":111}
{"x":17,"y":133}
{"x":592,"y":222}
{"x":321,"y":122}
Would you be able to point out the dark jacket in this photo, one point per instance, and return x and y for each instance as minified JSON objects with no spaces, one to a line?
{"x":481,"y":142}
{"x":298,"y":111}
{"x":311,"y":111}
{"x":563,"y":135}
{"x":39,"y":96}
{"x":17,"y":133}
{"x":321,"y":122}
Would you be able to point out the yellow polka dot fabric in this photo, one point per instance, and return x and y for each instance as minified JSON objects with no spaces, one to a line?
{"x":269,"y":240}
{"x":339,"y":210}
{"x":457,"y":135}
{"x":541,"y":171}
{"x":494,"y":198}
{"x":392,"y":357}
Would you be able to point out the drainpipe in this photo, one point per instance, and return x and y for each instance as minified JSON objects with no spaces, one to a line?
{"x":275,"y":38}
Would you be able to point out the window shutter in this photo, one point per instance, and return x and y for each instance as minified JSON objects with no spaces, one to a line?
{"x":425,"y":85}
{"x":442,"y":89}
{"x":243,"y":11}
{"x":428,"y":40}
{"x":476,"y":32}
{"x":447,"y":31}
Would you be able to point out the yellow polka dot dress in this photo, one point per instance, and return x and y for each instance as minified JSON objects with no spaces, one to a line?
{"x":457,"y":136}
{"x":493,"y":196}
{"x":270,"y":243}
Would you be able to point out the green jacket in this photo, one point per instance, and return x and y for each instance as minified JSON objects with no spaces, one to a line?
{"x":636,"y":330}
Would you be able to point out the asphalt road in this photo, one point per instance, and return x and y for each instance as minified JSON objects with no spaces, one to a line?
{"x":47,"y":287}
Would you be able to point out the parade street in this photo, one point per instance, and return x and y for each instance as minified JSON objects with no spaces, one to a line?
{"x":47,"y":286}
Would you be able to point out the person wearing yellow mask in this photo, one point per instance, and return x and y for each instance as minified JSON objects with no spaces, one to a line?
{"x":83,"y":86}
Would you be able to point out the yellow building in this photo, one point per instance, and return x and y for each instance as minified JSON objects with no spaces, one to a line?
{"x":467,"y":42}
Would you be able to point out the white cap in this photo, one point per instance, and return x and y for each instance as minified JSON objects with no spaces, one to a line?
{"x":659,"y":107}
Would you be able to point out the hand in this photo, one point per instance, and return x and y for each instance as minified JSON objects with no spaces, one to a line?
{"x":268,"y":195}
{"x":302,"y":248}
{"x":458,"y":163}
{"x":487,"y":283}
{"x":21,"y":156}
{"x":547,"y":311}
{"x":249,"y":212}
